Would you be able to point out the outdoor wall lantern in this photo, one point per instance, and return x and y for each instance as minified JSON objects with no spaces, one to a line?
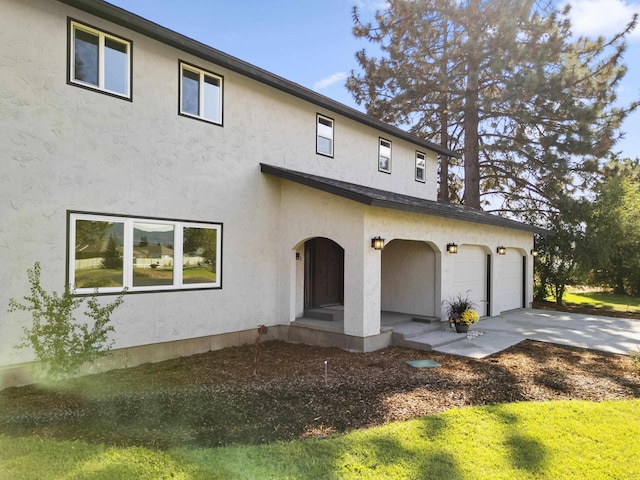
{"x":377,"y":243}
{"x":452,"y":248}
{"x":534,"y":252}
{"x":501,"y":250}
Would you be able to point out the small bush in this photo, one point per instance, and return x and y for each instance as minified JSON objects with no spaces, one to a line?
{"x":635,"y":356}
{"x":61,"y":343}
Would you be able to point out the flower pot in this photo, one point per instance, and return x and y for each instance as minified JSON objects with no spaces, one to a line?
{"x":461,"y":327}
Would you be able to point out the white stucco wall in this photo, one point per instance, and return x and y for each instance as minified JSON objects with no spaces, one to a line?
{"x":67,"y":148}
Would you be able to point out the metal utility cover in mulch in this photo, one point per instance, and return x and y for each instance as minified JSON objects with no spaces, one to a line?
{"x":423,"y":363}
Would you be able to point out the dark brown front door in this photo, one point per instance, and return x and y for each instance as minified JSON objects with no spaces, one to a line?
{"x":325,"y":273}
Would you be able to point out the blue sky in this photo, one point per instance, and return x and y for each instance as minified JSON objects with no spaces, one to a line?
{"x":310,"y":41}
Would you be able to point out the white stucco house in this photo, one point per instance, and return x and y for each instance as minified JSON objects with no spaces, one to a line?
{"x":220,"y":195}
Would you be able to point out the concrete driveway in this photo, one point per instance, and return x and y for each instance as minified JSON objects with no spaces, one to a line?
{"x":491,"y":335}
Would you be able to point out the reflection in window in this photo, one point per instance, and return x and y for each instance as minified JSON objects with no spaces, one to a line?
{"x":112,"y":252}
{"x":200,"y":94}
{"x":199,"y":255}
{"x":98,"y":254}
{"x":152,"y":254}
{"x":86,"y":57}
{"x":190,"y":92}
{"x":99,"y":60}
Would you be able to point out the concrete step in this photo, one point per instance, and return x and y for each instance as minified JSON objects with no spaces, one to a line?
{"x":423,"y":319}
{"x":328,"y":314}
{"x":424,"y":336}
{"x":433,"y":340}
{"x":403,"y":331}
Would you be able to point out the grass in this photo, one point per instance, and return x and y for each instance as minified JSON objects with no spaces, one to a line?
{"x":556,"y":440}
{"x":603,"y":300}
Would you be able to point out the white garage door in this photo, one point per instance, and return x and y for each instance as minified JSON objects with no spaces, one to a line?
{"x":471,"y":275}
{"x":510,"y":281}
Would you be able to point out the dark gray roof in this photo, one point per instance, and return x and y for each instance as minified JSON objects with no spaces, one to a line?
{"x":153,"y":30}
{"x":396,"y":201}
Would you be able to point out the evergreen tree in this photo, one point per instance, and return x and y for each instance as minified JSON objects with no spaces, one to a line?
{"x":502,"y":81}
{"x":112,"y":258}
{"x":611,"y":252}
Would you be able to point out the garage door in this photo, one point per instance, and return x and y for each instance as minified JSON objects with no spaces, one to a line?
{"x":471,"y":275}
{"x":511,"y":279}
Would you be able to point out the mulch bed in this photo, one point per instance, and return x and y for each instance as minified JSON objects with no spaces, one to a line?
{"x":227,"y":397}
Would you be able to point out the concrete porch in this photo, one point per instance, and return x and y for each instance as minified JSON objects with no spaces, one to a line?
{"x":326,"y":324}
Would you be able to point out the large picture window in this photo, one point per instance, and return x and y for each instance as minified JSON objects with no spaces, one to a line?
{"x":99,"y":60}
{"x":200,"y":94}
{"x":110,"y":252}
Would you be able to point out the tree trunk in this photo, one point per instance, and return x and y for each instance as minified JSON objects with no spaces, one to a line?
{"x":471,"y":118}
{"x":443,"y":192}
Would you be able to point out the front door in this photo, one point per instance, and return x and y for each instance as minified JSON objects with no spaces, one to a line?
{"x":324,"y":273}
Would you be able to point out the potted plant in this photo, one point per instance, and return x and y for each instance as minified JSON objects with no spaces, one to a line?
{"x":461,"y":313}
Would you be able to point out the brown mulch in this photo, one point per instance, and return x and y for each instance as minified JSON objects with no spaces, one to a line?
{"x":230,"y":398}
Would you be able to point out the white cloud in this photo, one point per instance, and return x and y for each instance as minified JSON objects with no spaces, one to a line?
{"x":330,"y":80}
{"x":371,"y":5}
{"x":602,"y":17}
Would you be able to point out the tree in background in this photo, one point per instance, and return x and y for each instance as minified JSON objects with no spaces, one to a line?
{"x":112,"y":257}
{"x":556,"y":265}
{"x":611,"y":251}
{"x":502,"y":81}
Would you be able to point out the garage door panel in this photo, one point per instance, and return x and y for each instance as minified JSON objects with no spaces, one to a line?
{"x":471,"y":275}
{"x":511,"y":279}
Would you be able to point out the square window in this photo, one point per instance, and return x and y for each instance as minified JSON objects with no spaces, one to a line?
{"x":324,"y":135}
{"x":420,"y":167}
{"x":99,"y":60}
{"x":200,"y":94}
{"x":110,"y":252}
{"x":384,"y":156}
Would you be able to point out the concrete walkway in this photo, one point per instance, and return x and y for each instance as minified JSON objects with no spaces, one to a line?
{"x":607,"y":334}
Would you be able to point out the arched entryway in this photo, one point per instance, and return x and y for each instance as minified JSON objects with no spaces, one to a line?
{"x":410,"y":278}
{"x":323,"y":273}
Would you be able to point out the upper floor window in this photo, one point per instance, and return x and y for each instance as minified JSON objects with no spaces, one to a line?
{"x":420,"y":167}
{"x":99,"y":60}
{"x":384,"y":156}
{"x":324,"y":131}
{"x":200,"y":94}
{"x":111,"y":252}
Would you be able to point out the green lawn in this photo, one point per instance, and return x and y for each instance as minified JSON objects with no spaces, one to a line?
{"x":555,"y":440}
{"x":603,"y":300}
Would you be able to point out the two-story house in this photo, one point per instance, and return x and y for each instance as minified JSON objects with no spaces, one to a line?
{"x":221,"y":196}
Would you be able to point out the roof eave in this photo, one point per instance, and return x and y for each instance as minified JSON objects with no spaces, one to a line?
{"x":445,"y":211}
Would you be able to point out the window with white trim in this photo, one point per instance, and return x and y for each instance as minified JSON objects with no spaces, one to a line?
{"x":384,"y":156}
{"x":99,"y":60}
{"x":111,"y":252}
{"x":200,"y":94}
{"x":324,"y":135}
{"x":420,"y":167}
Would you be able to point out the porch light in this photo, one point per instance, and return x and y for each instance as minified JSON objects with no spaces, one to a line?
{"x":501,"y":250}
{"x":452,"y":248}
{"x":377,"y":243}
{"x":534,"y":252}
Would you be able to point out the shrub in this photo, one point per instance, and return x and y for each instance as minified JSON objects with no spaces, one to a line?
{"x":635,"y":356}
{"x":461,"y":310}
{"x":61,"y":343}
